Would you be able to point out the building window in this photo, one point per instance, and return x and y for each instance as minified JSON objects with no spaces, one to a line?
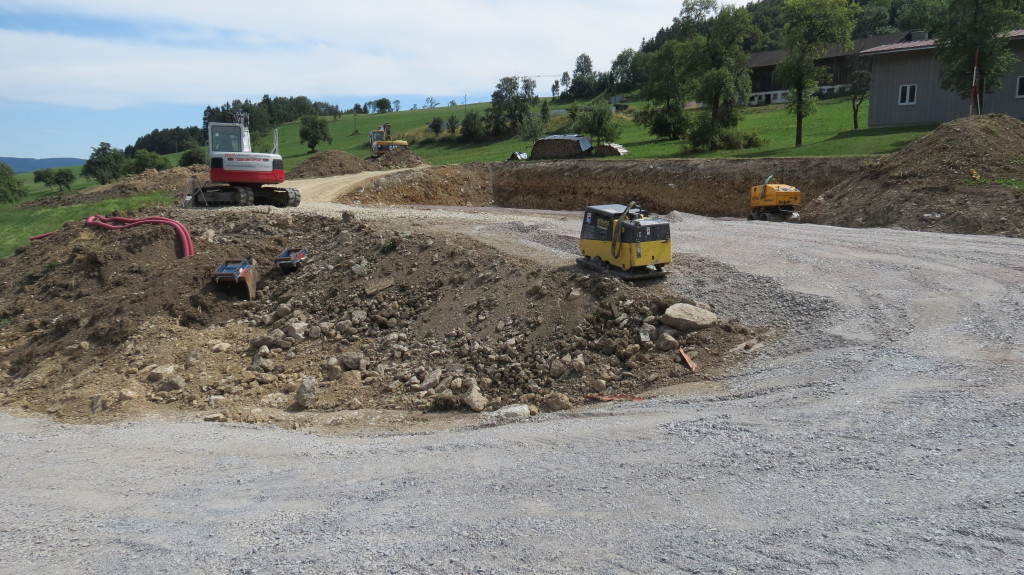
{"x":908,"y":94}
{"x":1020,"y":86}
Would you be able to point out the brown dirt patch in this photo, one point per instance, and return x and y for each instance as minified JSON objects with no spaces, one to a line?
{"x":330,"y":163}
{"x":945,"y":181}
{"x":110,"y":325}
{"x":173,"y":180}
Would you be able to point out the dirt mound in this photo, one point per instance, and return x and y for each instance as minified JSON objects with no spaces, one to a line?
{"x":954,"y":179}
{"x":330,"y":163}
{"x":400,"y":158}
{"x":463,"y":185}
{"x":103,"y":325}
{"x":149,"y":181}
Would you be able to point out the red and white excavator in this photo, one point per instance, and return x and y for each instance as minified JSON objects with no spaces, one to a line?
{"x":239,"y":176}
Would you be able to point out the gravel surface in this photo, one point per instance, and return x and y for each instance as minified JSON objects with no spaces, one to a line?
{"x":882,"y":432}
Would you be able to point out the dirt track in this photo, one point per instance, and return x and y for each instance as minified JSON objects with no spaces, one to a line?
{"x":883,"y":433}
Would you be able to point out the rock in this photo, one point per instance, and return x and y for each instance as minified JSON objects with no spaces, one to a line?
{"x":173,"y":382}
{"x":511,"y":412}
{"x":315,"y":332}
{"x":557,"y":369}
{"x":666,"y":343}
{"x":333,"y":372}
{"x":358,"y":317}
{"x":296,"y":330}
{"x":127,"y":395}
{"x":354,"y":404}
{"x":352,"y":360}
{"x":688,"y":317}
{"x":220,"y":347}
{"x":475,"y":400}
{"x":598,"y":385}
{"x":283,"y":310}
{"x":373,"y":287}
{"x":557,"y":401}
{"x":215,"y":417}
{"x":215,"y":400}
{"x":307,"y":392}
{"x":160,"y":372}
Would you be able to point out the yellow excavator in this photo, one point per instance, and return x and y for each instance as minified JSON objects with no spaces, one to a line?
{"x":382,"y":143}
{"x":774,"y":202}
{"x":624,"y":241}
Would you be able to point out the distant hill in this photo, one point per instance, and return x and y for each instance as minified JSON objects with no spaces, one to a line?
{"x":20,"y":165}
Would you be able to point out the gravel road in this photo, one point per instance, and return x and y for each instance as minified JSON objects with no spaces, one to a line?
{"x":881,"y":433}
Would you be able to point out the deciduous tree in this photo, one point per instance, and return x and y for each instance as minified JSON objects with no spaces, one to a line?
{"x":976,"y":31}
{"x":313,"y":130}
{"x":11,"y":189}
{"x":106,"y":164}
{"x":812,"y":27}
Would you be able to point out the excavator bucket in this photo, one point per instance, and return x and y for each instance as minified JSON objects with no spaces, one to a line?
{"x":291,"y":259}
{"x":238,"y":272}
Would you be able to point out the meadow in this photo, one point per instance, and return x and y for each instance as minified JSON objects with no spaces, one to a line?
{"x":826,"y":133}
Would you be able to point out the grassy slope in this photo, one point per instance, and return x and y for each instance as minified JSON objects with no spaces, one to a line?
{"x":826,"y":133}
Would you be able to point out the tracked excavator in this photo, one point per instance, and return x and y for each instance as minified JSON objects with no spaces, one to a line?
{"x":625,"y":242}
{"x":239,"y":176}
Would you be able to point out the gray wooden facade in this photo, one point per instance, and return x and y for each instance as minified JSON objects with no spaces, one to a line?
{"x":906,"y":86}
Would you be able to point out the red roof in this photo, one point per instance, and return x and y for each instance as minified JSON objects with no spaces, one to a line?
{"x":921,"y":45}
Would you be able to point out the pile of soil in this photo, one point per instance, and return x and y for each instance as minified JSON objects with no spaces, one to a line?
{"x":945,"y":181}
{"x":462,"y":185}
{"x":330,"y":163}
{"x":100,"y":325}
{"x":400,"y":158}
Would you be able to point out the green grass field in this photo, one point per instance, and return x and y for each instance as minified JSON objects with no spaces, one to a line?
{"x":826,"y":133}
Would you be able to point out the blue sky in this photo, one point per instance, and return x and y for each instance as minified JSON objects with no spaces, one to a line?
{"x":75,"y":73}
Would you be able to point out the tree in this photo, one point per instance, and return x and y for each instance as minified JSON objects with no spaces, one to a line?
{"x":145,"y":160}
{"x":45,"y":176}
{"x":510,"y":105}
{"x":194,"y":155}
{"x":64,"y":177}
{"x":397,"y":106}
{"x":452,"y":103}
{"x":812,"y":27}
{"x":106,"y":164}
{"x":382,"y":105}
{"x":313,"y":130}
{"x":720,"y":76}
{"x":622,"y":72}
{"x":977,"y":31}
{"x":599,"y":123}
{"x":11,"y":189}
{"x":860,"y":85}
{"x":663,"y":76}
{"x":453,"y":124}
{"x":472,"y":126}
{"x":436,"y":125}
{"x":430,"y":103}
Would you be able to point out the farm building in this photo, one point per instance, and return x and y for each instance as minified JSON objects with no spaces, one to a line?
{"x":906,"y":85}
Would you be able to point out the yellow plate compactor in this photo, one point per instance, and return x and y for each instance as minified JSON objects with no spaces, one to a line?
{"x":624,"y":241}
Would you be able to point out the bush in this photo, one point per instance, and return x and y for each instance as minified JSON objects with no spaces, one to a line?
{"x":706,"y":136}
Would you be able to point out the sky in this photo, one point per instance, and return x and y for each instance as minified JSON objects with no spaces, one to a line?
{"x":74,"y":74}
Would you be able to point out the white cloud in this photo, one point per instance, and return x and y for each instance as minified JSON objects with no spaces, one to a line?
{"x":203,"y":52}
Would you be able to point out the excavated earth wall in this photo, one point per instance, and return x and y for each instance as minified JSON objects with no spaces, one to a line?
{"x":715,"y":187}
